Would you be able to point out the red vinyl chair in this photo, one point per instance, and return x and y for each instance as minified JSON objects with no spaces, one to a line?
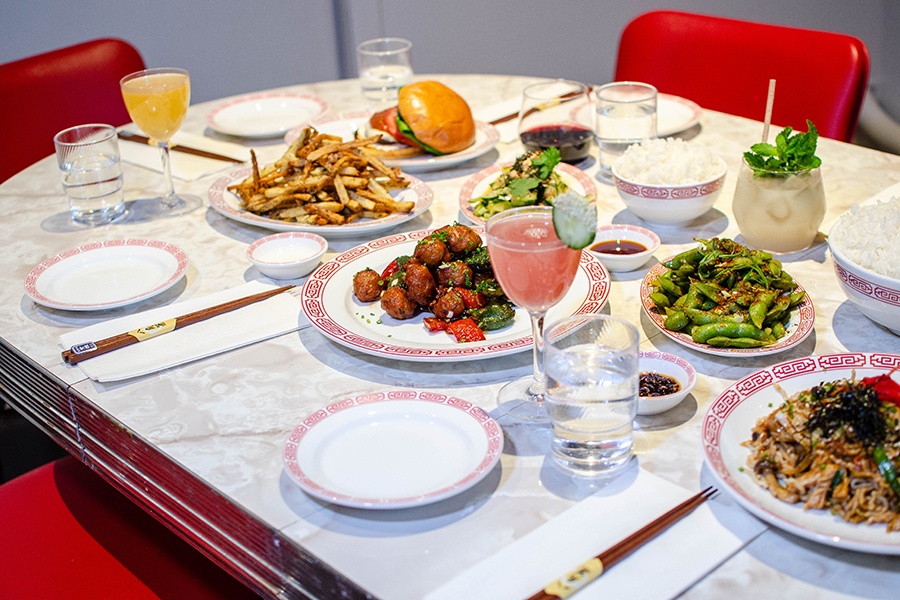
{"x":726,"y":64}
{"x":43,"y":94}
{"x":68,"y":534}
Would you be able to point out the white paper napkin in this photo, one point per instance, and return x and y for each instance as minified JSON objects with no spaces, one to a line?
{"x":662,"y":568}
{"x":185,"y":167}
{"x":508,"y":130}
{"x":263,"y":320}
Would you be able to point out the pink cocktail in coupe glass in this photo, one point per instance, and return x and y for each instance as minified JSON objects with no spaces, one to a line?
{"x":535,"y":270}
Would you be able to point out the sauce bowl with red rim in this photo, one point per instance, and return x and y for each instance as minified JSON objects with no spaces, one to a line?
{"x":623,"y":247}
{"x":669,"y":366}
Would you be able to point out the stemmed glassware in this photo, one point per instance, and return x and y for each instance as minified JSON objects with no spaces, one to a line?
{"x":157,"y":101}
{"x":535,"y":270}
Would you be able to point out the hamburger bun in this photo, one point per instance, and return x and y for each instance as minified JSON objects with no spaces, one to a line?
{"x":437,"y":115}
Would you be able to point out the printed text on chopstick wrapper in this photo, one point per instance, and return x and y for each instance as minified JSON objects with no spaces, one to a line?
{"x":149,"y":331}
{"x":577,"y":579}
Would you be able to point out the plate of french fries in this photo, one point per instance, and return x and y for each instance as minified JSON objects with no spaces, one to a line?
{"x":349,"y":125}
{"x":324,"y":185}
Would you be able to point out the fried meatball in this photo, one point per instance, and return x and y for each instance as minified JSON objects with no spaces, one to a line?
{"x":461,"y":238}
{"x":431,"y":252}
{"x":450,"y":305}
{"x":397,"y":304}
{"x":455,"y":274}
{"x":420,"y":285}
{"x":367,"y":285}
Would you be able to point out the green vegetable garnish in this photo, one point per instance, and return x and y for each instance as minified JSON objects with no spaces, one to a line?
{"x":789,"y":154}
{"x":547,"y":161}
{"x":530,"y":180}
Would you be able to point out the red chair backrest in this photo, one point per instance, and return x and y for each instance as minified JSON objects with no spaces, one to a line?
{"x":43,"y":94}
{"x":726,"y":64}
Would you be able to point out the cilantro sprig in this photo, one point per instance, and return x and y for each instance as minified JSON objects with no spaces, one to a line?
{"x":789,"y":154}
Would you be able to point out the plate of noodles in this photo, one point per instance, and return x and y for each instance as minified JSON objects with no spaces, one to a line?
{"x":756,"y":439}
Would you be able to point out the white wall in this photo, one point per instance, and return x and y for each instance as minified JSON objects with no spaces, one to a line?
{"x":233,"y":46}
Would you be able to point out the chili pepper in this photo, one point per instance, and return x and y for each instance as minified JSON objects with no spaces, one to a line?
{"x":702,"y":333}
{"x":394,"y":266}
{"x":886,"y":468}
{"x":465,"y":330}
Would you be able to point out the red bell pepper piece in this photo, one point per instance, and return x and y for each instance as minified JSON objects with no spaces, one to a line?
{"x":433,"y":324}
{"x":466,"y":330}
{"x":471,"y":298}
{"x":887,"y":389}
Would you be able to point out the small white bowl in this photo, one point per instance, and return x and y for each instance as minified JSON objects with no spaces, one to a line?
{"x":665,"y":364}
{"x":288,"y":255}
{"x":624,"y":233}
{"x":876,"y":296}
{"x":670,"y":205}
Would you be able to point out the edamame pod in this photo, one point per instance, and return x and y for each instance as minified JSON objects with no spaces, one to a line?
{"x":727,"y":342}
{"x":702,"y":333}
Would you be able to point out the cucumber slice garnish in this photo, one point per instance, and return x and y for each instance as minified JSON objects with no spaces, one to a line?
{"x":574,"y":219}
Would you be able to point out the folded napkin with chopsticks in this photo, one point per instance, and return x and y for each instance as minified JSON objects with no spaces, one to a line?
{"x":662,"y":568}
{"x":185,"y":167}
{"x":260,"y":321}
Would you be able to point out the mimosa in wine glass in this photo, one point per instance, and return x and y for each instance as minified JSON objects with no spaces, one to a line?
{"x":535,"y":269}
{"x":157,"y":101}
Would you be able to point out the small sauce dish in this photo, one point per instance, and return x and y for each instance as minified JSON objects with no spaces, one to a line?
{"x":288,"y":255}
{"x":624,"y":247}
{"x":669,"y":365}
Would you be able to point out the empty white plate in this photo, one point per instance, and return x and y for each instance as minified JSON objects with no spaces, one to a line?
{"x":265,"y":115}
{"x":106,"y":274}
{"x":393,"y":449}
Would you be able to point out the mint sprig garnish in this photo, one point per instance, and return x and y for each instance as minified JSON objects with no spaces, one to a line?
{"x":789,"y":154}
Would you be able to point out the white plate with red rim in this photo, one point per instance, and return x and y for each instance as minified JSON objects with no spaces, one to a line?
{"x":479,"y":184}
{"x":228,"y":204}
{"x":674,"y":114}
{"x":267,"y":114}
{"x":800,"y":325}
{"x":328,"y":301}
{"x":731,"y":416}
{"x":345,"y":126}
{"x":392,"y":449}
{"x":107,"y":274}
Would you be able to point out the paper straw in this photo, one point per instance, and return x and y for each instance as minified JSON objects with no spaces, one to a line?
{"x":769,"y":102}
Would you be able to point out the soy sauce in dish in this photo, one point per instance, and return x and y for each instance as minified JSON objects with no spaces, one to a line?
{"x":654,"y":384}
{"x":620,"y":247}
{"x":573,"y":141}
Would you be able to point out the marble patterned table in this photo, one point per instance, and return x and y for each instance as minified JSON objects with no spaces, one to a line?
{"x":200,"y":445}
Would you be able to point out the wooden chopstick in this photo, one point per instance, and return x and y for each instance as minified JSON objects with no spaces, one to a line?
{"x":585,"y":573}
{"x":81,"y":352}
{"x":142,"y":139}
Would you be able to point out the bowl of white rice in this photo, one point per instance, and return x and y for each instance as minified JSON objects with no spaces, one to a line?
{"x":668,"y":181}
{"x":864,"y":247}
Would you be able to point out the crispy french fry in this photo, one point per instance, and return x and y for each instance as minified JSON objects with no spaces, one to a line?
{"x":322,"y":180}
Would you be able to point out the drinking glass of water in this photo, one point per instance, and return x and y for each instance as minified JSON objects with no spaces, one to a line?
{"x":626,"y":115}
{"x":591,"y":365}
{"x":384,"y":67}
{"x":88,"y":158}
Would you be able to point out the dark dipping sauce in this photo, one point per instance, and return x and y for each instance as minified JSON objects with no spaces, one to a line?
{"x":618,"y":247}
{"x":654,"y":384}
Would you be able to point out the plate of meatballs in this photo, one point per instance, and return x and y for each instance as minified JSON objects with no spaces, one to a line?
{"x":430,"y":295}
